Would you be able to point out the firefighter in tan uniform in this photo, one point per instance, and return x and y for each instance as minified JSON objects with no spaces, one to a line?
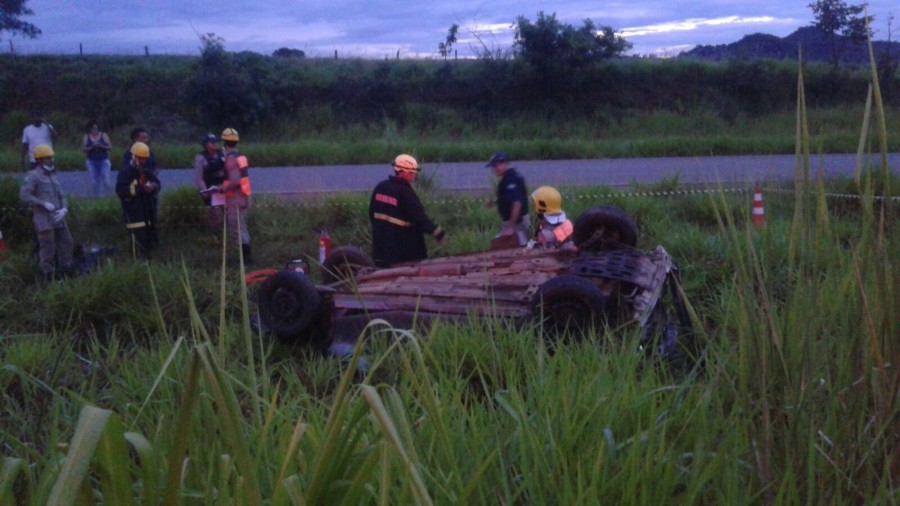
{"x":554,"y":230}
{"x":236,"y":188}
{"x":41,"y":190}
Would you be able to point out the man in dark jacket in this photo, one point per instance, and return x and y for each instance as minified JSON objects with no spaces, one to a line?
{"x":138,"y":188}
{"x":512,"y":198}
{"x":398,"y":218}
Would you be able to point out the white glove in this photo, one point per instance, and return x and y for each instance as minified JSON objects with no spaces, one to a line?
{"x":60,"y":215}
{"x":49,"y":207}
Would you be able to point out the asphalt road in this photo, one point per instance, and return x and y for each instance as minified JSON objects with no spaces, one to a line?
{"x":474,"y":178}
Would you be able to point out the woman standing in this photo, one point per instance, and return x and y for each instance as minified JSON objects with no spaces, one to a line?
{"x":96,"y":148}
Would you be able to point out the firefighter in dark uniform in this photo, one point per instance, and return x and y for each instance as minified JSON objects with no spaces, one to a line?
{"x":138,"y":188}
{"x":399,"y":222}
{"x":512,"y":199}
{"x":209,"y":174}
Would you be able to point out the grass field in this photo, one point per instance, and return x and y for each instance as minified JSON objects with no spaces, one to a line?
{"x":698,"y":133}
{"x":144,"y":384}
{"x":796,"y":402}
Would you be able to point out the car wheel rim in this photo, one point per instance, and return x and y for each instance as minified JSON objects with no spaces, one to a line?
{"x":285,"y":304}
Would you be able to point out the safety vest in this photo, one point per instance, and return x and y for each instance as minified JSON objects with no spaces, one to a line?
{"x":244,"y":171}
{"x":214,"y":171}
{"x":563,"y":231}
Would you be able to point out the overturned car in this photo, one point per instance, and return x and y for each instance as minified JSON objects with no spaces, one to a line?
{"x":605,"y":282}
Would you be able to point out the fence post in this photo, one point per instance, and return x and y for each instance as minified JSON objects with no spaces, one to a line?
{"x":335,"y":54}
{"x":80,"y":50}
{"x":147,"y":51}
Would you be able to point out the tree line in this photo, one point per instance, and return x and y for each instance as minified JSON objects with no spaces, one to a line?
{"x":557,"y":72}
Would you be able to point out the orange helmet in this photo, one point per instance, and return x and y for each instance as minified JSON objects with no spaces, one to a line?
{"x":406,"y":163}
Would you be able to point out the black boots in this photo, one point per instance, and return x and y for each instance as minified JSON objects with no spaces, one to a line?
{"x":248,"y":256}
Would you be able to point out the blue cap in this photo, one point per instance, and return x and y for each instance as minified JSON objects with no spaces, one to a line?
{"x":209,"y":137}
{"x":498,"y":158}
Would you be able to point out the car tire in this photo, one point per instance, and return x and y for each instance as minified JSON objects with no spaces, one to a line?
{"x":344,"y":263}
{"x":602,"y":228}
{"x":568,"y":305}
{"x":288,"y":302}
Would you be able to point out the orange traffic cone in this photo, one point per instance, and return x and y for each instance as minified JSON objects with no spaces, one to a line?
{"x":2,"y":247}
{"x":758,"y":214}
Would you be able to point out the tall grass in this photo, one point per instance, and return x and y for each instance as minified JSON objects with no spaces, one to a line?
{"x":796,"y":399}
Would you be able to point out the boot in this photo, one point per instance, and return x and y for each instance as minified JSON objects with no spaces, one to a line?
{"x":248,"y":256}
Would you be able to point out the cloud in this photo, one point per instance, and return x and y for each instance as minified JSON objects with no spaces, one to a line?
{"x":700,"y":23}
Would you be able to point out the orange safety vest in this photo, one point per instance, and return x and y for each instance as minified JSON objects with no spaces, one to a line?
{"x":244,"y":171}
{"x":563,"y":231}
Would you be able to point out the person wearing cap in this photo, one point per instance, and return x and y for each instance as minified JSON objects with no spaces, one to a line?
{"x":512,"y":198}
{"x":41,"y":190}
{"x":399,"y":221}
{"x":209,"y":174}
{"x":554,"y":230}
{"x":138,"y":189}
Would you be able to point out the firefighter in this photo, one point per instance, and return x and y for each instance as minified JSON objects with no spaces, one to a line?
{"x":138,"y":190}
{"x":209,"y":173}
{"x":398,"y":218}
{"x":41,"y":189}
{"x":554,"y":230}
{"x":236,"y":188}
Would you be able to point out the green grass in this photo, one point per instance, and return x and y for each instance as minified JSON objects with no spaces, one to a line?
{"x":698,"y":133}
{"x":795,"y":404}
{"x":145,"y":385}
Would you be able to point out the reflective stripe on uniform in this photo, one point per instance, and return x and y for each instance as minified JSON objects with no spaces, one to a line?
{"x":391,"y":219}
{"x":137,"y":224}
{"x":563,"y":231}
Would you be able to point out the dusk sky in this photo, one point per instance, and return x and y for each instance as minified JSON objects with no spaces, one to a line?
{"x":378,"y":28}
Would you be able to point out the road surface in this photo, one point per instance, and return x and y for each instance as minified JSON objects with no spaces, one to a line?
{"x":473,"y":177}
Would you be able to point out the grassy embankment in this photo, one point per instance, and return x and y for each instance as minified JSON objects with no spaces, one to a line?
{"x":658,"y":134}
{"x":146,"y":385}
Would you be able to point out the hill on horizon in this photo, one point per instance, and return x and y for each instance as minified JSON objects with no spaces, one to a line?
{"x":814,"y":42}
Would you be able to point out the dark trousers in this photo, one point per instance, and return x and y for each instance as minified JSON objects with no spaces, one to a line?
{"x":143,"y":241}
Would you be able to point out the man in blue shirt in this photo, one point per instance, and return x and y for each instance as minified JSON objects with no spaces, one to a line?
{"x":512,"y":198}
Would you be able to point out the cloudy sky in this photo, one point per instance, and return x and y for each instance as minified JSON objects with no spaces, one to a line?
{"x":377,"y":28}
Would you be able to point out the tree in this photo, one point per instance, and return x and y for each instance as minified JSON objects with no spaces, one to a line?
{"x":284,"y":52}
{"x":444,"y":47}
{"x":548,"y":44}
{"x":10,"y":12}
{"x":841,"y":23}
{"x":225,"y":88}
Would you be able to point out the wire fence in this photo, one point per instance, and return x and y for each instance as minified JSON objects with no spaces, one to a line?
{"x":318,"y":204}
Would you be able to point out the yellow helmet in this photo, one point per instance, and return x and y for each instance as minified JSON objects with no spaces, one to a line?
{"x":547,"y":200}
{"x":140,"y":150}
{"x":406,"y":163}
{"x":230,"y":134}
{"x":42,"y":151}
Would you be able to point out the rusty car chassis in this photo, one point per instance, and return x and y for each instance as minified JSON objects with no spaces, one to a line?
{"x":605,"y":282}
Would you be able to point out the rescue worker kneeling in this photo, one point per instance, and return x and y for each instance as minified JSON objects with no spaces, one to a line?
{"x":398,"y":218}
{"x":554,"y":230}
